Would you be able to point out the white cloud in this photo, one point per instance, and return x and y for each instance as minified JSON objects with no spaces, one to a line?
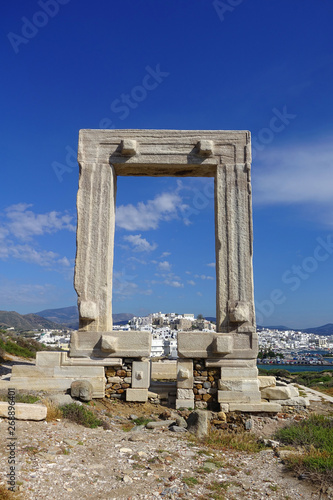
{"x":174,"y":283}
{"x":199,"y":293}
{"x":165,"y":254}
{"x":144,"y":216}
{"x":211,"y":264}
{"x":140,"y":244}
{"x":24,"y":223}
{"x":164,"y":266}
{"x":19,"y":223}
{"x":297,"y":174}
{"x":191,"y":282}
{"x":204,"y":277}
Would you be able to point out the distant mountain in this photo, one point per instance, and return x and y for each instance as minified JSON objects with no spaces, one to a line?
{"x":277,"y":327}
{"x":69,"y":316}
{"x":318,"y":330}
{"x":13,"y":319}
{"x":321,"y":330}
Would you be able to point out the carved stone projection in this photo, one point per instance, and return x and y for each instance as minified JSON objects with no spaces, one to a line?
{"x":225,"y":155}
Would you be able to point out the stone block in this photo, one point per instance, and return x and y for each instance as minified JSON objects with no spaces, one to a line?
{"x":184,"y":374}
{"x":88,"y":309}
{"x":251,"y":385}
{"x":266,"y":381}
{"x":198,"y":423}
{"x":138,"y":395}
{"x":130,"y":344}
{"x":273,"y":393}
{"x":239,"y":311}
{"x":109,"y":343}
{"x":223,"y":344}
{"x":184,"y":403}
{"x":255,"y":407}
{"x":140,"y":374}
{"x":228,"y":373}
{"x":224,"y":407}
{"x":205,"y":147}
{"x":164,"y":370}
{"x":238,"y":396}
{"x":293,"y":390}
{"x":48,"y":359}
{"x":24,"y":411}
{"x":185,"y":394}
{"x":128,"y":147}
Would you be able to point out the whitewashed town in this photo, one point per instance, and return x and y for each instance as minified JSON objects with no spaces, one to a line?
{"x":288,"y":346}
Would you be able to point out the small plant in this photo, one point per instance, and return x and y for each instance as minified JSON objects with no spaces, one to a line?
{"x":190,"y":481}
{"x":142,"y":421}
{"x":26,"y":398}
{"x":218,"y":489}
{"x":53,"y":411}
{"x":80,"y":415}
{"x":315,"y":436}
{"x":240,"y":441}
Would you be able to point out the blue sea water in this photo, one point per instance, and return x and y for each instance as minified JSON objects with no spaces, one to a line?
{"x":297,"y":368}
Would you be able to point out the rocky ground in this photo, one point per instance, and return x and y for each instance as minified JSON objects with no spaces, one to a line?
{"x":61,"y":459}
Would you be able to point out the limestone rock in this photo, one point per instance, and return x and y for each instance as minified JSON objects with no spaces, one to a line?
{"x":82,"y":389}
{"x":61,"y":399}
{"x":276,"y":393}
{"x":198,"y":424}
{"x":266,"y":381}
{"x":24,"y":411}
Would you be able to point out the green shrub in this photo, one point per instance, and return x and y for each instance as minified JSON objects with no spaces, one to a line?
{"x":80,"y":415}
{"x":315,"y":435}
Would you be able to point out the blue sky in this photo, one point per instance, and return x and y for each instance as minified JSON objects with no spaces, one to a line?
{"x":252,"y":65}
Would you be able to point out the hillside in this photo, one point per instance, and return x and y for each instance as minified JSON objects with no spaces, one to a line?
{"x":321,"y":330}
{"x":13,"y":319}
{"x":69,"y":316}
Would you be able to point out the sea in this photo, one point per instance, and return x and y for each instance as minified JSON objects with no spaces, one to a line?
{"x":299,"y":368}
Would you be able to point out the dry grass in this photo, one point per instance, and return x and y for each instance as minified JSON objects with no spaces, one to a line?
{"x":5,"y":494}
{"x":238,"y":441}
{"x":53,"y":411}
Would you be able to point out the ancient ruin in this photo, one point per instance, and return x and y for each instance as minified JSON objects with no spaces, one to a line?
{"x":227,"y":357}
